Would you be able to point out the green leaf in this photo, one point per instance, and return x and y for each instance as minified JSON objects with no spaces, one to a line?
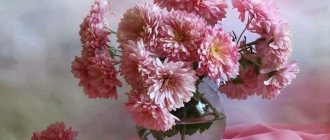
{"x":141,"y":132}
{"x":172,"y":132}
{"x":204,"y":126}
{"x":192,"y":128}
{"x":197,"y":97}
{"x":195,"y":108}
{"x":158,"y":135}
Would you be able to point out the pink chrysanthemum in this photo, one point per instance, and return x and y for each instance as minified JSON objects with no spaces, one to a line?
{"x":212,"y":10}
{"x":147,"y":114}
{"x":95,"y":67}
{"x":258,"y":9}
{"x":172,"y":84}
{"x":277,"y":47}
{"x":136,"y":63}
{"x":275,"y":81}
{"x":181,"y":35}
{"x":56,"y":131}
{"x":140,"y":22}
{"x":93,"y":29}
{"x":187,"y":5}
{"x":218,"y":56}
{"x":97,"y":75}
{"x":271,"y":26}
{"x":243,"y":86}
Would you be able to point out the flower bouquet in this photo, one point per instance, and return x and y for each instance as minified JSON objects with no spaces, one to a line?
{"x":169,"y":47}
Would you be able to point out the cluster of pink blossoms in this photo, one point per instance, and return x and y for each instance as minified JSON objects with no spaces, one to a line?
{"x":163,"y":53}
{"x":271,"y":70}
{"x":56,"y":131}
{"x":94,"y":67}
{"x":159,"y":49}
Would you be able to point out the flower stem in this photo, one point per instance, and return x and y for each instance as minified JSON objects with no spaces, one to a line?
{"x":111,"y":31}
{"x":215,"y":111}
{"x":114,"y":49}
{"x":216,"y":114}
{"x":183,"y":129}
{"x":240,"y":36}
{"x":252,"y":43}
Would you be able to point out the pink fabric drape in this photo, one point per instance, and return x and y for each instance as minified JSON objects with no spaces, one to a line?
{"x":278,"y":132}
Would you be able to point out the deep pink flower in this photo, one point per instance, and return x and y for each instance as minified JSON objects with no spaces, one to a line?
{"x":172,"y":84}
{"x":140,"y":22}
{"x":243,"y":86}
{"x":93,"y":29}
{"x":95,"y":68}
{"x":147,"y":114}
{"x":97,"y":75}
{"x":56,"y":131}
{"x":136,"y":63}
{"x":181,"y":35}
{"x":274,"y":81}
{"x":218,"y":56}
{"x":211,"y":10}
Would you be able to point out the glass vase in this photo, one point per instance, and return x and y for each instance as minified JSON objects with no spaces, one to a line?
{"x":202,"y":118}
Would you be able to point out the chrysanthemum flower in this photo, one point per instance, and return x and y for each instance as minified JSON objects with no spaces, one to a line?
{"x":181,"y":35}
{"x":172,"y":84}
{"x":147,"y":114}
{"x":274,"y":81}
{"x":136,"y":63}
{"x":258,"y":9}
{"x":95,"y":68}
{"x":56,"y":131}
{"x":218,"y":56}
{"x":211,"y":10}
{"x":272,"y":27}
{"x":93,"y":29}
{"x":277,"y":47}
{"x":243,"y":86}
{"x":140,"y":22}
{"x":97,"y":76}
{"x":186,"y":5}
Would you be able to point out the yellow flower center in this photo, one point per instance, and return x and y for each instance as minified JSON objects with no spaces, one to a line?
{"x":216,"y":50}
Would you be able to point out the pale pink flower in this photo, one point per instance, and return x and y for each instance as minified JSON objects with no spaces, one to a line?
{"x":136,"y":63}
{"x":218,"y":56}
{"x":257,"y":9}
{"x":172,"y":84}
{"x":184,"y":5}
{"x":243,"y":86}
{"x":276,"y":31}
{"x":145,"y":113}
{"x":266,"y":21}
{"x":56,"y":131}
{"x":140,"y":22}
{"x":95,"y":68}
{"x":277,"y":47}
{"x":181,"y":35}
{"x":275,"y":81}
{"x":211,"y":10}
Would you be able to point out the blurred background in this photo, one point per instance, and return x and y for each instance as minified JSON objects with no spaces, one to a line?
{"x":39,"y":39}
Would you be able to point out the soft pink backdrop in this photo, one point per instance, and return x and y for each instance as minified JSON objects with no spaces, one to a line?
{"x":38,"y":39}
